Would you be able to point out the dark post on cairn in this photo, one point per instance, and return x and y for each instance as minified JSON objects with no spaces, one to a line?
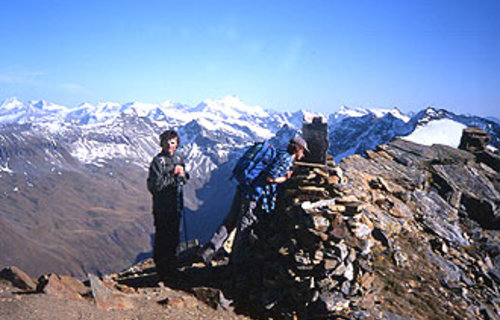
{"x":316,"y":135}
{"x":474,"y":139}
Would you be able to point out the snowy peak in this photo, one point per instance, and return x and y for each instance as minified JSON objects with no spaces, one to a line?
{"x":14,"y":111}
{"x":431,"y":113}
{"x":379,"y":113}
{"x":11,"y":104}
{"x":230,"y":107}
{"x":345,"y":111}
{"x":348,"y":112}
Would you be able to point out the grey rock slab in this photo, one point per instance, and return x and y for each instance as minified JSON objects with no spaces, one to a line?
{"x":108,"y":299}
{"x":439,"y":217}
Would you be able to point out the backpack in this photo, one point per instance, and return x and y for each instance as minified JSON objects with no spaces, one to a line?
{"x":251,"y":165}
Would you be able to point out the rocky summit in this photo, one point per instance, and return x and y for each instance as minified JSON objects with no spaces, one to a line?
{"x":405,"y":232}
{"x":409,"y":232}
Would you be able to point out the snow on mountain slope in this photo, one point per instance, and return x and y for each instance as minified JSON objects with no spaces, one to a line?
{"x":220,"y":125}
{"x":346,"y":112}
{"x":442,"y":131}
{"x":230,"y":107}
{"x":111,"y":141}
{"x":14,"y":111}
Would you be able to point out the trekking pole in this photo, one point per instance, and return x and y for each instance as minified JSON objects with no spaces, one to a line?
{"x":180,"y":207}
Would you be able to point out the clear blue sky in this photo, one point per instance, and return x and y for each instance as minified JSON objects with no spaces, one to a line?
{"x":283,"y":55}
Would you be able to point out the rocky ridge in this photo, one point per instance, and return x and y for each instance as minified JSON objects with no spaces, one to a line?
{"x":68,"y":175}
{"x":409,"y":232}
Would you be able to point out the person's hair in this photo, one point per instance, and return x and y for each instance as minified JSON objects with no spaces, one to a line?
{"x":293,"y":147}
{"x":167,"y":135}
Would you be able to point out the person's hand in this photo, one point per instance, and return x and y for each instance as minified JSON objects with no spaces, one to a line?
{"x":179,"y":171}
{"x":289,"y":174}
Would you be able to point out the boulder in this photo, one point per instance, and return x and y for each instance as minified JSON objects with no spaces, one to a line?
{"x":53,"y":285}
{"x":107,"y":298}
{"x":18,"y":278}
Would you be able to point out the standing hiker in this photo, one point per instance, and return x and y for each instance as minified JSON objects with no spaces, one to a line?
{"x":266,"y":168}
{"x":166,"y":172}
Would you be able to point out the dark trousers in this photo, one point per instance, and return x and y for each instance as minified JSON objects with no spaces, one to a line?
{"x":242,"y":215}
{"x":166,"y":241}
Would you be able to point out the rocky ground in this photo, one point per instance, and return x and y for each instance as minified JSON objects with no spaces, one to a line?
{"x":64,"y":297}
{"x":407,"y":232}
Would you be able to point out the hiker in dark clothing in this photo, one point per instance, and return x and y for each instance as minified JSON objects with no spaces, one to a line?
{"x":166,"y":172}
{"x":246,"y":207}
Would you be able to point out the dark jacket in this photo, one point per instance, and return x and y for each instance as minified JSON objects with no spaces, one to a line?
{"x":163,"y":184}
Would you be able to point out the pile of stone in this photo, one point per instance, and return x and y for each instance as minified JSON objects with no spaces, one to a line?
{"x":312,"y":256}
{"x":474,"y":139}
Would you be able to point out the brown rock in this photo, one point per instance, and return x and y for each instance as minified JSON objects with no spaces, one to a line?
{"x":331,"y":264}
{"x":321,"y":172}
{"x":368,"y":301}
{"x":384,"y":154}
{"x":18,"y":278}
{"x":125,"y":289}
{"x":339,"y":228}
{"x":337,"y":208}
{"x":312,"y":189}
{"x":309,"y":165}
{"x":380,"y":183}
{"x":367,"y":280}
{"x":52,"y":284}
{"x":75,"y":284}
{"x":371,"y":154}
{"x":107,"y":298}
{"x":321,"y":223}
{"x":173,"y":302}
{"x":347,"y":199}
{"x":190,"y":302}
{"x":333,"y":180}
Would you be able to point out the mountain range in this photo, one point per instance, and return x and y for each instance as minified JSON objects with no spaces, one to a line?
{"x":73,"y":179}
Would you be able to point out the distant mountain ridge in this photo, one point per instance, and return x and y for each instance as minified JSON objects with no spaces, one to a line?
{"x":109,"y":146}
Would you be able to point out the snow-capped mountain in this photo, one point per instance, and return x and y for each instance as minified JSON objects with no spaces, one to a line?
{"x":210,"y":131}
{"x":107,"y":148}
{"x":353,"y":131}
{"x":346,"y":112}
{"x":14,"y":111}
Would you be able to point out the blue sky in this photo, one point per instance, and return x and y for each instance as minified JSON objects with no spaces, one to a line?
{"x":283,"y":55}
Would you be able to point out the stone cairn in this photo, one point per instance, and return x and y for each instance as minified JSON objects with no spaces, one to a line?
{"x":474,"y":139}
{"x":311,"y":258}
{"x":316,"y":134}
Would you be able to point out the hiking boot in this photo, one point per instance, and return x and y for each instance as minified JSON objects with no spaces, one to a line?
{"x":207,"y":253}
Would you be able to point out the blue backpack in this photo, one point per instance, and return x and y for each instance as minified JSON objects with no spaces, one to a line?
{"x":250,"y":167}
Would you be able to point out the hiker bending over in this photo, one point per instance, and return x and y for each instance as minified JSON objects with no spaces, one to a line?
{"x":259,"y":195}
{"x":166,"y":172}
